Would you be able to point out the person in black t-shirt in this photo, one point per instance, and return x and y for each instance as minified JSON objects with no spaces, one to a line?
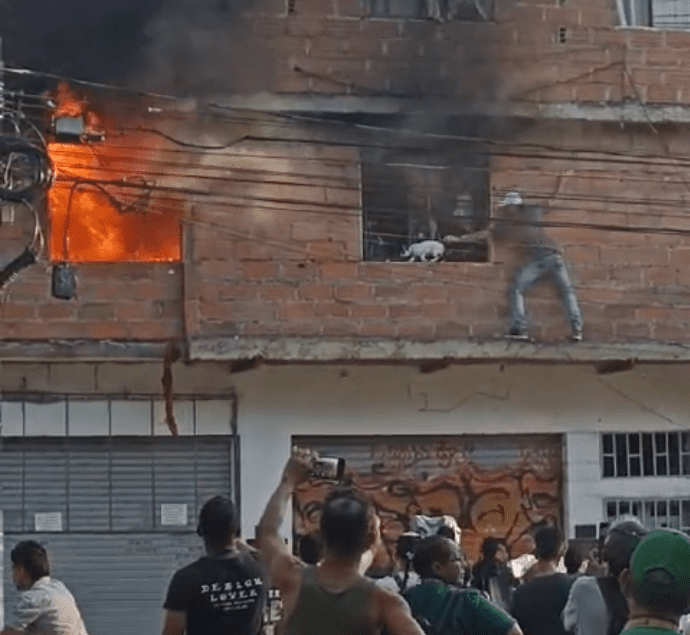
{"x":538,"y":603}
{"x":223,"y":592}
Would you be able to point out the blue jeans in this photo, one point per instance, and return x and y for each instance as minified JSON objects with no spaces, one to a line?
{"x":551,"y":265}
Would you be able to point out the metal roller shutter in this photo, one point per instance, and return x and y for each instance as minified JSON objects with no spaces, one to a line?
{"x":114,"y":551}
{"x":118,"y":580}
{"x":500,"y":485}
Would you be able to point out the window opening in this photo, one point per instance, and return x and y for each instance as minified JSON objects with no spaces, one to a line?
{"x":646,"y":454}
{"x":413,"y":196}
{"x":439,"y":10}
{"x":662,"y":14}
{"x":104,"y":204}
{"x":670,"y":513}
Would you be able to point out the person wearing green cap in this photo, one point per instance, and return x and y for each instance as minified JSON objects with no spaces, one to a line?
{"x":657,"y":584}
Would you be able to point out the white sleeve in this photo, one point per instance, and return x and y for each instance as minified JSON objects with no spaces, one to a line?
{"x":571,"y":611}
{"x":32,"y":604}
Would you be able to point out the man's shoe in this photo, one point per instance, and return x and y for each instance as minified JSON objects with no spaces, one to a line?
{"x":518,"y":334}
{"x":576,"y":336}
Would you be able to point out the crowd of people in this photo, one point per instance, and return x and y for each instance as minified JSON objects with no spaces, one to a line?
{"x":638,"y":585}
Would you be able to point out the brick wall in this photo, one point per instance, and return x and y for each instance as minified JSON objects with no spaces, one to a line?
{"x":541,"y":51}
{"x":278,"y":251}
{"x":297,"y":270}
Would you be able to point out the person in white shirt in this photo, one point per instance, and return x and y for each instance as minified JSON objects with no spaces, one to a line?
{"x":46,"y":607}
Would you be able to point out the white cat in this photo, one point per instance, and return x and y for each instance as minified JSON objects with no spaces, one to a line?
{"x":424,"y":251}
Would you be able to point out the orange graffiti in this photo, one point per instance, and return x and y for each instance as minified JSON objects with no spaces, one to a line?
{"x":460,"y":476}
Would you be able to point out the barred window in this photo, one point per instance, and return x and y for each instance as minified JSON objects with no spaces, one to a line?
{"x":441,"y":10}
{"x":646,"y":454}
{"x":413,"y":196}
{"x":663,"y":14}
{"x":670,"y":513}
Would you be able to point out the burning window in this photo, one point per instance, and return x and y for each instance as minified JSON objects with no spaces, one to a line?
{"x":409,"y":197}
{"x":106,"y":203}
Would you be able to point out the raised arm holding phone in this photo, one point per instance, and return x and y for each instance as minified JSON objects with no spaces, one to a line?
{"x":332,"y":597}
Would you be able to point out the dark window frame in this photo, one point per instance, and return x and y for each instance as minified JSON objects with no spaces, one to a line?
{"x":440,"y":10}
{"x":411,"y":196}
{"x":636,"y":454}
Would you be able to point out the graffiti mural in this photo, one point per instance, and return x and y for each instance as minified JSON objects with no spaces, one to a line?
{"x":498,"y":486}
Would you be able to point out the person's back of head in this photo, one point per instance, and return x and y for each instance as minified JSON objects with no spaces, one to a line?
{"x":659,"y":574}
{"x":347,"y":523}
{"x":218,"y":524}
{"x":572,"y":560}
{"x":548,"y":543}
{"x":489,"y":548}
{"x":310,"y":548}
{"x":621,"y":541}
{"x":406,"y":546}
{"x":33,"y":557}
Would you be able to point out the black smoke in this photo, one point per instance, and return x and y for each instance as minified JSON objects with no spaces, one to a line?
{"x":184,"y":47}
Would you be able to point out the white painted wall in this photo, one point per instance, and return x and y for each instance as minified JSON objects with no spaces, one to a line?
{"x":277,"y":402}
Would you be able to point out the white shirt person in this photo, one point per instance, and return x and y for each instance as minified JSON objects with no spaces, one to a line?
{"x":45,"y":607}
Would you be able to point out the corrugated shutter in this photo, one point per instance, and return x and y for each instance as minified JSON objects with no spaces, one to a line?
{"x":114,"y":553}
{"x":118,"y":580}
{"x":89,"y":485}
{"x":110,"y":483}
{"x":498,"y":485}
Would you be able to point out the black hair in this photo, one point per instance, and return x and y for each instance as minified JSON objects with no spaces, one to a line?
{"x":447,"y":532}
{"x":572,"y":560}
{"x":33,"y":557}
{"x":429,"y":550}
{"x":548,"y":542}
{"x":346,"y":518}
{"x":406,"y":545}
{"x":621,"y":540}
{"x":310,"y":548}
{"x":489,"y":547}
{"x":218,"y":521}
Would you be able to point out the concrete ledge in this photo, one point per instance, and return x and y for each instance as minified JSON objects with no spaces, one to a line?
{"x":347,"y":104}
{"x":295,"y":349}
{"x":81,"y":350}
{"x":285,"y":350}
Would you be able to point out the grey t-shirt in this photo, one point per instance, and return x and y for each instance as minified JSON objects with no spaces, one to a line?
{"x":47,"y":608}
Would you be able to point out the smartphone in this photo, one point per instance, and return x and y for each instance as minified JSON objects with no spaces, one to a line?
{"x":328,"y":468}
{"x":603,"y":532}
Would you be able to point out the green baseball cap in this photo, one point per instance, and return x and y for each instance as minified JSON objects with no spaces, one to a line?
{"x":660,"y":565}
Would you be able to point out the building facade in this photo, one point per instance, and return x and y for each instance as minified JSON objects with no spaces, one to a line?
{"x":221,"y":282}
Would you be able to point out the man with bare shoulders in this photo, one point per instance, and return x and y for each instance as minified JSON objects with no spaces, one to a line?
{"x":333,"y":597}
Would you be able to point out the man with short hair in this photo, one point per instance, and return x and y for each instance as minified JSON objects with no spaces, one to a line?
{"x":596,"y":606}
{"x":222,"y":592}
{"x":538,"y":603}
{"x":333,"y":597}
{"x":45,"y":607}
{"x":449,"y":609}
{"x":657,"y":584}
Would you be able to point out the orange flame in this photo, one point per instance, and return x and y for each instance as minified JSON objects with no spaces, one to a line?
{"x":103,"y":206}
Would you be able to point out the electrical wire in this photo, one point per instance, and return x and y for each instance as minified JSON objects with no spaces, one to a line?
{"x":15,"y":70}
{"x":184,"y":144}
{"x":349,"y":211}
{"x":624,"y":159}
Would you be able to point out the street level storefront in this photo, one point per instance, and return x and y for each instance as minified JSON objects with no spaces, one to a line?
{"x":116,"y":512}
